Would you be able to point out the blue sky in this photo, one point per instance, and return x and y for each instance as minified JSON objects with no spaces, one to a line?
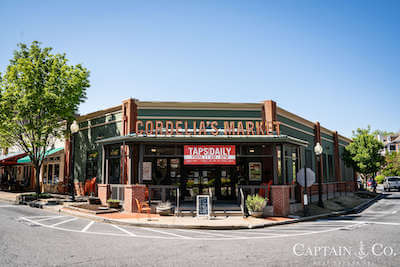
{"x":332,"y":61}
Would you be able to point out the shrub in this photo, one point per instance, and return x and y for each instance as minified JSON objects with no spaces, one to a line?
{"x":113,"y":200}
{"x":379,"y":179}
{"x":255,"y":203}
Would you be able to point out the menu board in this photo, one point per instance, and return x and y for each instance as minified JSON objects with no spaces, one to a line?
{"x":255,"y":171}
{"x":146,"y":167}
{"x":203,"y":205}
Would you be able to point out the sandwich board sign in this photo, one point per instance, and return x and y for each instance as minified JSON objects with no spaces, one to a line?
{"x":203,"y":206}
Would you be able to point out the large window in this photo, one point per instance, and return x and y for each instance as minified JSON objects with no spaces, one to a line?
{"x":51,"y":173}
{"x":91,"y":164}
{"x":114,"y":165}
{"x":331,"y":168}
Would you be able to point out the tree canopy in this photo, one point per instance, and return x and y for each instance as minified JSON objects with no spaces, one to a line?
{"x":364,"y":153}
{"x":392,"y":164}
{"x":39,"y":92}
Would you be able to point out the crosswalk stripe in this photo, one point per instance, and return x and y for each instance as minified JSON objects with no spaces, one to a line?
{"x":51,"y":218}
{"x":123,"y":230}
{"x":166,"y":233}
{"x":87,"y":226}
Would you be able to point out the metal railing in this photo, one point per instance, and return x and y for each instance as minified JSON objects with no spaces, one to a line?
{"x":162,"y":193}
{"x":117,"y":191}
{"x":242,"y":201}
{"x":211,"y":199}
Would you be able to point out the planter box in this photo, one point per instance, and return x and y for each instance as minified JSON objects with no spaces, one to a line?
{"x":113,"y":205}
{"x":165,"y":211}
{"x":256,"y":214}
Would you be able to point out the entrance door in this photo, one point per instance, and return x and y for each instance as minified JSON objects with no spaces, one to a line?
{"x":221,"y":181}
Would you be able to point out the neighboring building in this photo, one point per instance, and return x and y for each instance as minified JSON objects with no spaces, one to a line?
{"x":172,"y":145}
{"x":391,"y":143}
{"x":21,"y":173}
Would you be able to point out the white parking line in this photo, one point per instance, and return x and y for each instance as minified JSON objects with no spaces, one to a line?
{"x":162,"y":232}
{"x":123,"y":230}
{"x":8,"y":206}
{"x":70,"y":220}
{"x":87,"y":226}
{"x":373,"y":222}
{"x":204,"y":233}
{"x":50,"y":218}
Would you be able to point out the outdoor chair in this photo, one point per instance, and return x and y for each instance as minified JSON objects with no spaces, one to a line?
{"x":143,"y":207}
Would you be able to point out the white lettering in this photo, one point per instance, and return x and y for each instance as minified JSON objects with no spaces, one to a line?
{"x":295,"y":251}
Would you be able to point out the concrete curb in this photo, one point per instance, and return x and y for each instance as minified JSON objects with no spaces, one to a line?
{"x":8,"y":200}
{"x":354,"y":210}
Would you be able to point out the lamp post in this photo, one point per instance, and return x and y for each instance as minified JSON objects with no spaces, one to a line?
{"x":74,"y":129}
{"x":318,"y":152}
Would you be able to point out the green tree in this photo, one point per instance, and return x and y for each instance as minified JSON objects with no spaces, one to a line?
{"x":364,"y":153}
{"x":392,"y":164}
{"x":39,"y":95}
{"x":382,"y":133}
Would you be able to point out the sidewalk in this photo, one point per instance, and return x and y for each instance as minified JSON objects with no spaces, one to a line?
{"x":11,"y":197}
{"x":215,"y":223}
{"x":187,"y":222}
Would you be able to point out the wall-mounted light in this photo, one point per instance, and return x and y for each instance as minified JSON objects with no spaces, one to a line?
{"x":153,"y":150}
{"x":251,"y":150}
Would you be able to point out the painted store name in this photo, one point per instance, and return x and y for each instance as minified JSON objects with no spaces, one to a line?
{"x":207,"y":127}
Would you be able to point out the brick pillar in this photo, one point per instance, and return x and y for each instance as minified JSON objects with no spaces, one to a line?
{"x":103,"y":191}
{"x":131,"y":193}
{"x":67,"y":159}
{"x":280,"y":200}
{"x":129,"y":115}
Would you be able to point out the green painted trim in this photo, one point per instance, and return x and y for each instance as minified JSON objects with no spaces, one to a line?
{"x":234,"y":114}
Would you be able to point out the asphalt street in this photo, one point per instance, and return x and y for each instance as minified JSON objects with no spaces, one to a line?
{"x":34,"y":237}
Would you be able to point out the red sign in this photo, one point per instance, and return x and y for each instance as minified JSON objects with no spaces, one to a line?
{"x":209,"y":155}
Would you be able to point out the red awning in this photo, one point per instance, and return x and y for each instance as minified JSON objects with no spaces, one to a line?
{"x":11,"y":158}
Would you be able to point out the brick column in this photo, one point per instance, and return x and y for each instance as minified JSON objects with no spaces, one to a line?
{"x":280,"y":200}
{"x":103,"y":191}
{"x":129,"y":115}
{"x":131,"y":193}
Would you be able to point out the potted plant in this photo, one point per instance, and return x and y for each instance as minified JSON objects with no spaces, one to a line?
{"x":255,"y":204}
{"x":113,"y":203}
{"x":164,"y":208}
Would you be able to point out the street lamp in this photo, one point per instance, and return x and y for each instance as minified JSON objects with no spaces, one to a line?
{"x":318,"y":152}
{"x":74,"y":129}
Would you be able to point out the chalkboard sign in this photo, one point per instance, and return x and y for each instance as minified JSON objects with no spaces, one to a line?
{"x":203,"y":205}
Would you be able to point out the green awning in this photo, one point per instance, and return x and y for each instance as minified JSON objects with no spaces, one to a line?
{"x":48,"y":153}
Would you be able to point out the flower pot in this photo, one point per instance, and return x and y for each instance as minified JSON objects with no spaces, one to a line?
{"x":256,"y":214}
{"x":164,"y":211}
{"x":113,"y":205}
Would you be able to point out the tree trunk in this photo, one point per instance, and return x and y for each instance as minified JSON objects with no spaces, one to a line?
{"x":37,"y":175}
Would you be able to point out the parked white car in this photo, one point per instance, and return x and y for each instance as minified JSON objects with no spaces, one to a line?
{"x":391,"y":182}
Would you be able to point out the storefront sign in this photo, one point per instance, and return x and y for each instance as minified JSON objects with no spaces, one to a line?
{"x":209,"y":154}
{"x":194,"y":127}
